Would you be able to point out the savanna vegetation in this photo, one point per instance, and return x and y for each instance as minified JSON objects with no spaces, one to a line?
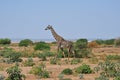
{"x":28,"y":60}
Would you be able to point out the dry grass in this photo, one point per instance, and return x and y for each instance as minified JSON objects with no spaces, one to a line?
{"x":99,"y":55}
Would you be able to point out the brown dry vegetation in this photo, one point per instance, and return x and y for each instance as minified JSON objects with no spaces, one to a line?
{"x":55,"y":69}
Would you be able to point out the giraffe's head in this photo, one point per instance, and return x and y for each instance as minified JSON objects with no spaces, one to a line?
{"x":48,"y":27}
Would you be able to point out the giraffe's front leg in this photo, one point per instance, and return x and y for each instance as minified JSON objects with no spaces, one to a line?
{"x":68,"y":53}
{"x":58,"y":48}
{"x":62,"y":51}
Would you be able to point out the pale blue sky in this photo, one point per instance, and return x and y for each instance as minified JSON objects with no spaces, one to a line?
{"x":72,"y":19}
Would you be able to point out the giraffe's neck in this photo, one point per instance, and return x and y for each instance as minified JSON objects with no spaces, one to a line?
{"x":56,"y":36}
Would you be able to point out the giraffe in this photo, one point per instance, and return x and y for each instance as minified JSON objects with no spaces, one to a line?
{"x":61,"y":42}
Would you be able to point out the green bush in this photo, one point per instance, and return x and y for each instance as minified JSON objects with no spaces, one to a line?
{"x":43,"y":56}
{"x":42,"y":46}
{"x":29,"y":62}
{"x":85,"y":69}
{"x":5,"y":51}
{"x":76,"y":61}
{"x":47,"y":54}
{"x":81,"y":48}
{"x":15,"y":57}
{"x":14,"y":73}
{"x":81,"y":43}
{"x":83,"y":53}
{"x":40,"y":71}
{"x":117,"y":42}
{"x":25,"y":42}
{"x":11,"y":56}
{"x":54,"y":61}
{"x":5,"y":41}
{"x":67,"y":71}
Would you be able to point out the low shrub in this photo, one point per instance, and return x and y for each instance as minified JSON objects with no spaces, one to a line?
{"x":61,"y":76}
{"x":29,"y":62}
{"x":113,"y":57}
{"x":25,"y":42}
{"x":11,"y":55}
{"x":54,"y":61}
{"x":43,"y":56}
{"x":83,"y":53}
{"x":42,"y":46}
{"x":15,"y":57}
{"x":93,"y":60}
{"x":75,"y":61}
{"x":109,"y":69}
{"x":67,"y":71}
{"x":102,"y":77}
{"x":84,"y":69}
{"x":40,"y":71}
{"x":14,"y":73}
{"x":47,"y":54}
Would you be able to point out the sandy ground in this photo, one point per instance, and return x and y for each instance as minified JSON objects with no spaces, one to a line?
{"x":55,"y":70}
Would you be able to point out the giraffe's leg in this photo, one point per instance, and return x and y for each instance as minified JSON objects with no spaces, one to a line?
{"x":63,"y":52}
{"x":68,"y":53}
{"x":58,"y":48}
{"x":73,"y":52}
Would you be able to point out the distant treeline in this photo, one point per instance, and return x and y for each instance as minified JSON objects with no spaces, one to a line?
{"x":26,"y":42}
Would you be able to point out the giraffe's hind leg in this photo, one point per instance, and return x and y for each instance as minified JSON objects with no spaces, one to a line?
{"x":63,"y":52}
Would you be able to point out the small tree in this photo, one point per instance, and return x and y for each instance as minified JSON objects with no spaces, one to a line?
{"x":5,"y":41}
{"x":81,"y":48}
{"x":81,"y":43}
{"x":25,"y":42}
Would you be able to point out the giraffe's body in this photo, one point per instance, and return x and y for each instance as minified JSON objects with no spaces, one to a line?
{"x":61,"y":42}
